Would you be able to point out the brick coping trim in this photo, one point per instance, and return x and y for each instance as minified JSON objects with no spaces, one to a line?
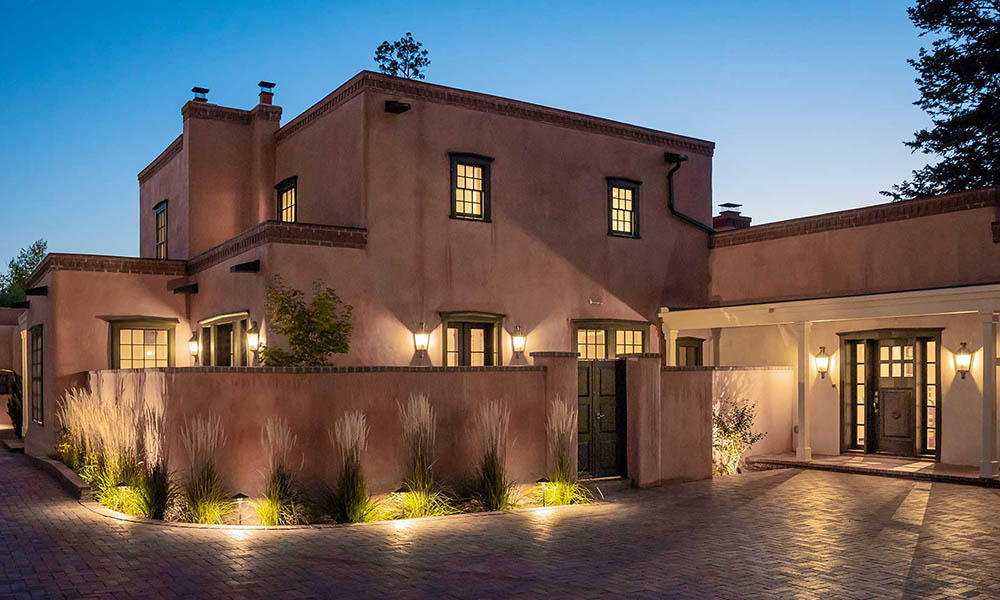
{"x":332,"y":370}
{"x":554,"y":354}
{"x":858,"y":217}
{"x":276,"y":232}
{"x":710,"y":368}
{"x":377,"y":82}
{"x":166,"y":156}
{"x":106,"y":264}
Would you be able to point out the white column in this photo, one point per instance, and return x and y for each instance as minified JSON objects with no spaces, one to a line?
{"x":802,"y":449}
{"x":671,"y":340}
{"x":988,"y":462}
{"x":716,"y":346}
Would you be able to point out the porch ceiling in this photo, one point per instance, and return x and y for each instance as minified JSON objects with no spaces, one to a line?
{"x":944,"y":301}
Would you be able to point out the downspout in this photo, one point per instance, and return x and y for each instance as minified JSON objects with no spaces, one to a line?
{"x":676,"y":160}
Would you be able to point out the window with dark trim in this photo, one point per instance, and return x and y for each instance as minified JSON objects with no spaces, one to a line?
{"x":4,"y":384}
{"x":35,"y":374}
{"x":690,"y":351}
{"x":599,"y":339}
{"x":287,"y":202}
{"x":470,"y":186}
{"x":142,"y":343}
{"x":471,"y":339}
{"x":623,"y":207}
{"x":224,"y":340}
{"x":160,"y":211}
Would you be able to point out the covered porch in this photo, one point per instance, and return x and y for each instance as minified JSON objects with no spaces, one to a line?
{"x":891,"y":374}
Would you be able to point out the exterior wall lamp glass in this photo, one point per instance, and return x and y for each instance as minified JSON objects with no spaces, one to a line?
{"x":517,"y":340}
{"x":421,"y":338}
{"x":963,"y":360}
{"x":194,"y":346}
{"x":822,"y":362}
{"x":253,"y":340}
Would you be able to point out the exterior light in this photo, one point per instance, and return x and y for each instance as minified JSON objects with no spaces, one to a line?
{"x":822,"y":362}
{"x":963,"y":360}
{"x":542,"y":481}
{"x":517,"y":340}
{"x":421,"y":338}
{"x":239,"y":497}
{"x":253,"y":337}
{"x":194,"y":347}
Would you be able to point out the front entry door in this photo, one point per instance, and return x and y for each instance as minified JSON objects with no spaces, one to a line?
{"x":894,"y":405}
{"x":601,"y":418}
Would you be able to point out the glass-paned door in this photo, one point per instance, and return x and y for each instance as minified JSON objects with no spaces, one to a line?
{"x":471,"y":344}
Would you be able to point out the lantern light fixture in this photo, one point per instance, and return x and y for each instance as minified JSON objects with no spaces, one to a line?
{"x":253,"y":340}
{"x":963,"y":360}
{"x":822,"y":362}
{"x":194,"y":346}
{"x":421,"y":338}
{"x":517,"y":340}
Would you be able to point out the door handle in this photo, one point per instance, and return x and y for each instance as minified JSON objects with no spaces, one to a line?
{"x":875,"y":402}
{"x":600,"y":415}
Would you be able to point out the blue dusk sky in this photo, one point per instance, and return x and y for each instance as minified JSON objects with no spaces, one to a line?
{"x":808,"y":102}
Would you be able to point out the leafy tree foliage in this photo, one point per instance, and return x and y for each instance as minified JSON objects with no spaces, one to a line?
{"x":18,"y":270}
{"x":402,"y":58}
{"x":959,"y":82}
{"x":314,"y":329}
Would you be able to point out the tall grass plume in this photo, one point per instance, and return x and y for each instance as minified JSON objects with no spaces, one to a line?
{"x":491,"y":486}
{"x":282,"y":503}
{"x":422,"y":496}
{"x":205,"y":499}
{"x":351,"y":501}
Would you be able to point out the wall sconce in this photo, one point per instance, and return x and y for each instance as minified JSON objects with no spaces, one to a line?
{"x":822,"y":362}
{"x":253,"y":340}
{"x":963,"y":360}
{"x":420,"y":338}
{"x":517,"y":340}
{"x":194,"y":347}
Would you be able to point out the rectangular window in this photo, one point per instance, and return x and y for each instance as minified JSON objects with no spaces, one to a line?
{"x":591,"y":344}
{"x":470,"y":186}
{"x":931,"y":397}
{"x":224,"y":341}
{"x":623,"y":207}
{"x":142,"y":348}
{"x":860,"y":377}
{"x":471,"y":344}
{"x":35,"y":373}
{"x":288,"y":200}
{"x":628,"y":341}
{"x":690,"y":352}
{"x":161,"y":229}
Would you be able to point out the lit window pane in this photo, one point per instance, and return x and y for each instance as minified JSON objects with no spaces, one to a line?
{"x":860,"y":375}
{"x":883,"y":370}
{"x":883,"y":353}
{"x":897,"y":370}
{"x":908,"y":353}
{"x":931,"y":351}
{"x":861,"y":353}
{"x":861,"y":393}
{"x":931,"y":374}
{"x":932,"y":395}
{"x":931,"y":418}
{"x":861,"y":415}
{"x":908,"y":369}
{"x":861,"y":435}
{"x":126,"y":363}
{"x":931,"y":439}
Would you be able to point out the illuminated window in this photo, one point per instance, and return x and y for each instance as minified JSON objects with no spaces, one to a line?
{"x":895,"y":360}
{"x":224,"y":340}
{"x":689,"y":351}
{"x":161,"y":229}
{"x":35,"y":373}
{"x":930,"y":397}
{"x":628,"y":341}
{"x":623,"y":207}
{"x":859,"y":395}
{"x":471,"y":339}
{"x":470,"y":186}
{"x":288,"y":200}
{"x":591,"y":344}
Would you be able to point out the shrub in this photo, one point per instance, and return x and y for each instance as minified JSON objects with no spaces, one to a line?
{"x":314,"y":330}
{"x":282,"y":503}
{"x":205,"y":499}
{"x":423,"y":497}
{"x":491,"y":487}
{"x":15,"y":404}
{"x":732,"y":434}
{"x":351,"y":501}
{"x":563,"y":487}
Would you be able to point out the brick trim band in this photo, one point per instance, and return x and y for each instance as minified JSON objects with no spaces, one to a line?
{"x":324,"y":370}
{"x":858,"y":217}
{"x":105,"y":264}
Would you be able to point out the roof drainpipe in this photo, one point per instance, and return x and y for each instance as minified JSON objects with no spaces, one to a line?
{"x":676,"y":160}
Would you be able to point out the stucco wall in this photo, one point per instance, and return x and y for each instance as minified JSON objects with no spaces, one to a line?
{"x":772,"y":390}
{"x":169,"y":182}
{"x":938,"y":250}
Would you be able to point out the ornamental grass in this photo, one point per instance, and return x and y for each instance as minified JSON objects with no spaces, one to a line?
{"x":492,"y":488}
{"x":351,"y":501}
{"x":283,"y":502}
{"x":421,"y":495}
{"x":204,"y":498}
{"x":563,"y":486}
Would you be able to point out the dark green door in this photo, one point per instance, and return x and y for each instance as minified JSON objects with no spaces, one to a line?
{"x":894,"y":406}
{"x":601,"y":427}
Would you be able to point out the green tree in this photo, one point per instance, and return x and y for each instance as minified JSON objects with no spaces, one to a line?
{"x":18,"y":270}
{"x":959,"y":82}
{"x":314,"y":329}
{"x":402,"y":58}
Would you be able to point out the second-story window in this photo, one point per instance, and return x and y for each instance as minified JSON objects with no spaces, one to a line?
{"x":470,"y":186}
{"x":161,"y":229}
{"x":623,"y":207}
{"x":287,"y":200}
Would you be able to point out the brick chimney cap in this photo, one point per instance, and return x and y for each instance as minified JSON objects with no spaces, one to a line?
{"x":266,"y":85}
{"x":730,"y":205}
{"x":200,"y":90}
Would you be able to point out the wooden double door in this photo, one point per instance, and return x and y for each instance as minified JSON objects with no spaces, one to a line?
{"x":601,"y":418}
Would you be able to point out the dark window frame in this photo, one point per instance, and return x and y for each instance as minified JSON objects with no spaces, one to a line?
{"x":160,"y":209}
{"x":238,"y":352}
{"x":289,"y":183}
{"x":37,"y":393}
{"x":634,"y":186}
{"x":610,"y":327}
{"x":5,"y":384}
{"x":697,"y":343}
{"x":475,"y":160}
{"x":467,"y":320}
{"x":115,"y":327}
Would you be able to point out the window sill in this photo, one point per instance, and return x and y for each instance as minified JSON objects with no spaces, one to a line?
{"x":473,"y":219}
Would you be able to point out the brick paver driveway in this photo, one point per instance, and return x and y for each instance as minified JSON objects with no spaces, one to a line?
{"x":785,"y":533}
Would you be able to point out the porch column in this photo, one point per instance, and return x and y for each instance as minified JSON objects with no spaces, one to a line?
{"x":802,"y":449}
{"x":671,"y":350}
{"x":716,"y":346}
{"x":988,"y":462}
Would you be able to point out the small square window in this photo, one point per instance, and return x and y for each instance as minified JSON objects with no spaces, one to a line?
{"x":623,"y":207}
{"x":470,"y":186}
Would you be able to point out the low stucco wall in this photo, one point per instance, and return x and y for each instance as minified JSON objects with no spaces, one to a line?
{"x":772,"y":390}
{"x":312,"y":400}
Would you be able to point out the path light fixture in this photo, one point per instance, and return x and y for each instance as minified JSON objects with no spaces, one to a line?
{"x":240,"y":498}
{"x":421,"y":338}
{"x":542,"y":481}
{"x":194,"y":347}
{"x":253,"y":340}
{"x":822,"y":362}
{"x":963,"y":360}
{"x":517,"y":340}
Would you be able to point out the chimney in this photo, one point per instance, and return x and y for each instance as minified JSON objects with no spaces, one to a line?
{"x":200,"y":94}
{"x":730,"y":218}
{"x":266,"y":92}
